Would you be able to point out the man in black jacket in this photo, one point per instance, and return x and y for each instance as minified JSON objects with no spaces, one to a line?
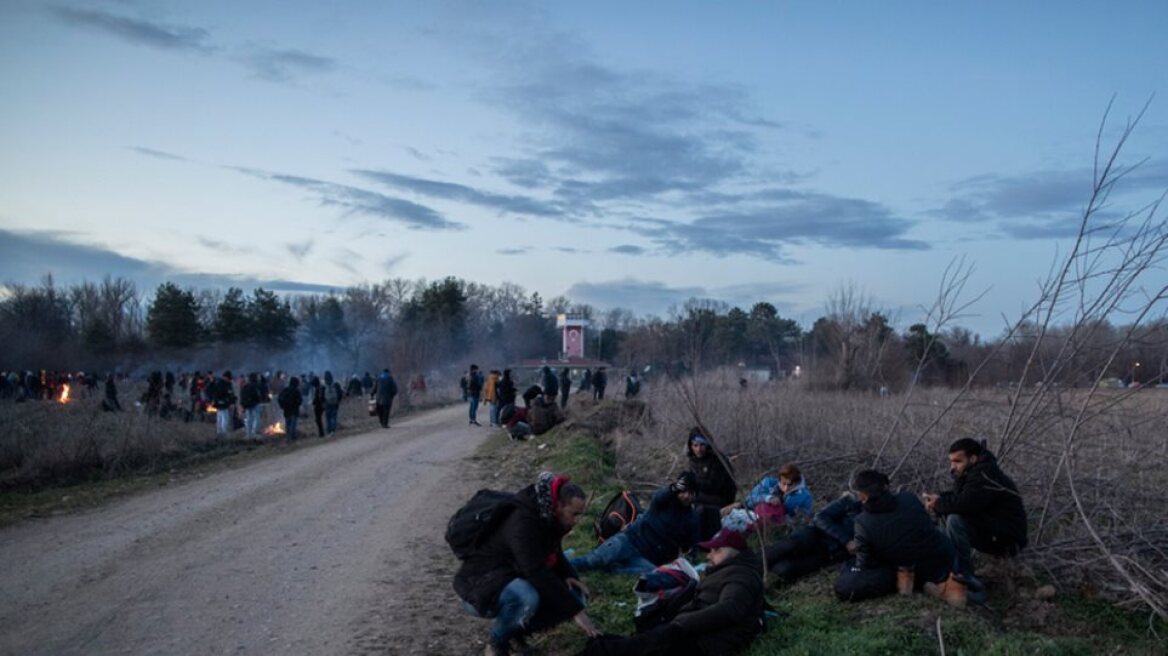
{"x":716,"y":486}
{"x":897,"y":544}
{"x":383,"y":393}
{"x":983,"y":511}
{"x":519,"y":575}
{"x":828,"y":539}
{"x":249,"y":400}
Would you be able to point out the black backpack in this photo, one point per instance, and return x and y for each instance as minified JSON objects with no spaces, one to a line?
{"x":623,"y":510}
{"x":474,"y":522}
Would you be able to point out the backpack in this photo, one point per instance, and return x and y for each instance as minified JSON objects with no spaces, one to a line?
{"x":332,"y":394}
{"x":619,"y":513}
{"x":476,"y":520}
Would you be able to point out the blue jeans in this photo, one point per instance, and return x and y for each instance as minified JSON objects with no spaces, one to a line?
{"x":516,"y":606}
{"x":290,"y":425}
{"x":493,"y":406}
{"x":252,"y":418}
{"x":474,"y":408}
{"x":330,"y":418}
{"x":958,"y":532}
{"x":618,"y":555}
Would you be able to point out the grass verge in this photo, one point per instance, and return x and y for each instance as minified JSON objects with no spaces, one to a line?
{"x":812,"y":621}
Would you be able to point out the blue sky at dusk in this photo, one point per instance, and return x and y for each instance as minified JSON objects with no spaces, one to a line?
{"x":622,"y":155}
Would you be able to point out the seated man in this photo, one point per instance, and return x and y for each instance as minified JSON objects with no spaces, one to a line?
{"x":715,"y":479}
{"x":519,"y":575}
{"x":787,"y":489}
{"x":827,"y":540}
{"x":725,"y":614}
{"x":983,"y":511}
{"x":669,"y":527}
{"x":898,"y":547}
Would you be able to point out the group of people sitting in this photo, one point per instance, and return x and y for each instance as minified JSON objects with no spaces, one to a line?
{"x":887,"y":541}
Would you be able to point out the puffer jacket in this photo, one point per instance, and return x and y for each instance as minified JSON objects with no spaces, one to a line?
{"x":725,"y":614}
{"x":895,"y":530}
{"x":666,"y":529}
{"x":524,"y":546}
{"x":797,"y":502}
{"x":837,"y":520}
{"x":989,"y":502}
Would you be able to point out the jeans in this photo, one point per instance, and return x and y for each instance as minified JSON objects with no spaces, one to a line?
{"x":252,"y":418}
{"x":290,"y":425}
{"x":330,"y":418}
{"x":958,"y":531}
{"x":516,"y":606}
{"x":223,"y":421}
{"x":474,"y":408}
{"x":494,"y":412}
{"x":618,"y":555}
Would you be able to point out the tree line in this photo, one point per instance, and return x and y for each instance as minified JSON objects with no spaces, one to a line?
{"x":418,"y":325}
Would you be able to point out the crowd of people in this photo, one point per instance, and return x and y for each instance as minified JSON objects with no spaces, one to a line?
{"x":885,"y":541}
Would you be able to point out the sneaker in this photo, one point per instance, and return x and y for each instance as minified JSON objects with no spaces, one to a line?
{"x":904,"y":581}
{"x":952,"y":591}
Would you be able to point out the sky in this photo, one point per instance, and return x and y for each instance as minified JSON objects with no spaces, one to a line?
{"x":623,"y":154}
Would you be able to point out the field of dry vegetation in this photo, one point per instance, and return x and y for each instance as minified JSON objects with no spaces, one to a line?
{"x":1091,"y":466}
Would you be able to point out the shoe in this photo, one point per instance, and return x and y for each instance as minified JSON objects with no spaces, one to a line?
{"x":904,"y":581}
{"x":952,"y":591}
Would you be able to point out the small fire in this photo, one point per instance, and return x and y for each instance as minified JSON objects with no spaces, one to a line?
{"x":64,"y":394}
{"x":212,"y":409}
{"x":275,"y":429}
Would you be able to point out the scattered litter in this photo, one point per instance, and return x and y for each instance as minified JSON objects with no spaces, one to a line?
{"x":542,"y":445}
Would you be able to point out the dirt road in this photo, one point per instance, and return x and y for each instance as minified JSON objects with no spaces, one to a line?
{"x":330,"y":550}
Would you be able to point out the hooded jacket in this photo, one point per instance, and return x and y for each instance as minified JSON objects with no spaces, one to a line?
{"x":525,"y":546}
{"x":989,"y":502}
{"x":895,"y":530}
{"x":385,"y":389}
{"x":716,"y":487}
{"x":797,"y":502}
{"x":725,"y":614}
{"x":666,"y":529}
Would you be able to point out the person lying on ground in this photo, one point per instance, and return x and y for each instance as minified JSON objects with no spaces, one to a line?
{"x":519,"y":576}
{"x":668,"y":528}
{"x":898,"y":546}
{"x":724,"y":616}
{"x":828,"y":539}
{"x":983,"y":511}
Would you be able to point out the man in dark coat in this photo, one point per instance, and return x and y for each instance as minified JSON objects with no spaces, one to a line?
{"x":506,"y":390}
{"x":983,"y":511}
{"x":565,"y":386}
{"x":289,"y":401}
{"x":898,"y":547}
{"x":249,"y":400}
{"x":549,"y":383}
{"x":716,"y":486}
{"x":599,"y":382}
{"x":383,"y":393}
{"x":474,"y":391}
{"x":669,"y":527}
{"x":829,"y":539}
{"x":519,"y":575}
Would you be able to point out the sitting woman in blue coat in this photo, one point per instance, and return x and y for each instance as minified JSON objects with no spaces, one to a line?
{"x":787,"y":490}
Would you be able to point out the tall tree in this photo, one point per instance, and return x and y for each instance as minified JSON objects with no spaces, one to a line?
{"x":232,"y":323}
{"x":272,"y":321}
{"x":173,"y":318}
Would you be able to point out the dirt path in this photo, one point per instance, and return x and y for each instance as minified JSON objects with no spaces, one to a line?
{"x":331,"y":550}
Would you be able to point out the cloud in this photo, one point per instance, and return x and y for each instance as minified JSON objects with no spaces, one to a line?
{"x":135,"y":31}
{"x":645,"y":297}
{"x":1042,"y":204}
{"x":361,"y":201}
{"x":27,"y":256}
{"x":285,"y":65}
{"x":150,"y":152}
{"x":391,"y":263}
{"x":627,"y":249}
{"x":569,"y":249}
{"x":511,"y":251}
{"x":220,"y":246}
{"x":509,"y":204}
{"x":300,"y":250}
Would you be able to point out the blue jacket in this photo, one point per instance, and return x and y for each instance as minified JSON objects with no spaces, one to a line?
{"x":797,"y":502}
{"x":837,"y":520}
{"x":666,"y":529}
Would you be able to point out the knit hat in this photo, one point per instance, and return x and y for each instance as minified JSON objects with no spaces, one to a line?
{"x":724,"y":538}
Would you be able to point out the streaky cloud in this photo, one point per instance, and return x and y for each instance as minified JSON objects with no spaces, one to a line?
{"x":136,"y":31}
{"x":159,"y":154}
{"x":285,"y":65}
{"x":509,"y":204}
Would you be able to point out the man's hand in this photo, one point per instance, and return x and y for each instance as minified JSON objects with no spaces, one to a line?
{"x":930,"y":501}
{"x":852,"y":547}
{"x":577,"y":584}
{"x":585,"y":623}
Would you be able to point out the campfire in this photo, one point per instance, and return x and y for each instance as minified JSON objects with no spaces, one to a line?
{"x":275,"y":429}
{"x":212,"y":410}
{"x":64,"y":394}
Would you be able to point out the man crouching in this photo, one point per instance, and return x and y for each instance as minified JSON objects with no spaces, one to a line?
{"x":519,"y":575}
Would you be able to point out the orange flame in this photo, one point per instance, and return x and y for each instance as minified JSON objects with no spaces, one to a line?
{"x":64,"y":394}
{"x":212,"y":409}
{"x":275,"y":429}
